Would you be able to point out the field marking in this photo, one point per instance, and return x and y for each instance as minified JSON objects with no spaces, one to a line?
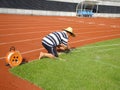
{"x":95,"y":38}
{"x":101,"y":24}
{"x":108,"y":64}
{"x":89,"y":47}
{"x":3,"y":43}
{"x":61,"y":59}
{"x":34,"y":50}
{"x":2,"y":35}
{"x":102,"y":46}
{"x":26,"y":33}
{"x":98,"y":31}
{"x":20,"y":41}
{"x":91,"y":23}
{"x":40,"y":38}
{"x":103,"y":50}
{"x":30,"y":51}
{"x":46,"y":27}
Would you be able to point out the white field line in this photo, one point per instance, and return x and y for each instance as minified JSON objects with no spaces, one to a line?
{"x":33,"y":27}
{"x":30,"y":51}
{"x":108,"y":64}
{"x":101,"y":50}
{"x":106,"y":49}
{"x":114,"y":26}
{"x":36,"y":23}
{"x":91,"y":23}
{"x":98,"y":31}
{"x":61,"y":59}
{"x":51,"y":31}
{"x":95,"y":38}
{"x":26,"y":33}
{"x":71,"y":42}
{"x":99,"y":24}
{"x":102,"y":46}
{"x":20,"y":41}
{"x":3,"y":43}
{"x":99,"y":47}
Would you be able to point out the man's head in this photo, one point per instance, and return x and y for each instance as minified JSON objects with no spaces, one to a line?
{"x":70,"y":31}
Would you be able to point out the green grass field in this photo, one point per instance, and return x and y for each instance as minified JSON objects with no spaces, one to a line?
{"x":92,"y":67}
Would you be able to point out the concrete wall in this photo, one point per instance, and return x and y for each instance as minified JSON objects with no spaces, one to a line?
{"x":35,"y":12}
{"x":47,"y":7}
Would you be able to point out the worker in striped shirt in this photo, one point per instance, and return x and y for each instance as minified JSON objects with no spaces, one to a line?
{"x":56,"y":39}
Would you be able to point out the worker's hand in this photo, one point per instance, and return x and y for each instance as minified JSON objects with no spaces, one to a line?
{"x":64,"y":46}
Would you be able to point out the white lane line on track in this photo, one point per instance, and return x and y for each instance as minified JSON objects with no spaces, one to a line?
{"x":95,"y":38}
{"x":30,"y":51}
{"x":34,"y":50}
{"x":40,"y":39}
{"x":114,"y":26}
{"x":98,"y":31}
{"x":91,"y":23}
{"x":20,"y":41}
{"x":26,"y":33}
{"x":2,"y":35}
{"x":19,"y":28}
{"x":99,"y":24}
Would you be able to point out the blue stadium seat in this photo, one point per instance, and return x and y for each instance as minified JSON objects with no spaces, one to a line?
{"x":85,"y":13}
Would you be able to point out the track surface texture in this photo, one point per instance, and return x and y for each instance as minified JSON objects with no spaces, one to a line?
{"x":26,"y":32}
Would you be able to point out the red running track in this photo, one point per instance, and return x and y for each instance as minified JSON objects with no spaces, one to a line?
{"x":26,"y":32}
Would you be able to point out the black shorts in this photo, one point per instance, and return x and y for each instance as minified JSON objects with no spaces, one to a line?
{"x":51,"y":50}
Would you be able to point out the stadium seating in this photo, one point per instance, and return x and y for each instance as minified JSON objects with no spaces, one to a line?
{"x":86,"y":13}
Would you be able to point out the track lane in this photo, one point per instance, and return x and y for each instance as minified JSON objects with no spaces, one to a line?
{"x":30,"y":47}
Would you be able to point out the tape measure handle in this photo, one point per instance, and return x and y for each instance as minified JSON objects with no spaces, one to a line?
{"x":12,"y":48}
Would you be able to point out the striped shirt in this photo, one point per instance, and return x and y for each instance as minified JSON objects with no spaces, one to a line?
{"x":56,"y":38}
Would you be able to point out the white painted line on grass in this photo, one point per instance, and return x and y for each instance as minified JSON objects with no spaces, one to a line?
{"x":103,"y":50}
{"x":102,"y":46}
{"x":108,"y":64}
